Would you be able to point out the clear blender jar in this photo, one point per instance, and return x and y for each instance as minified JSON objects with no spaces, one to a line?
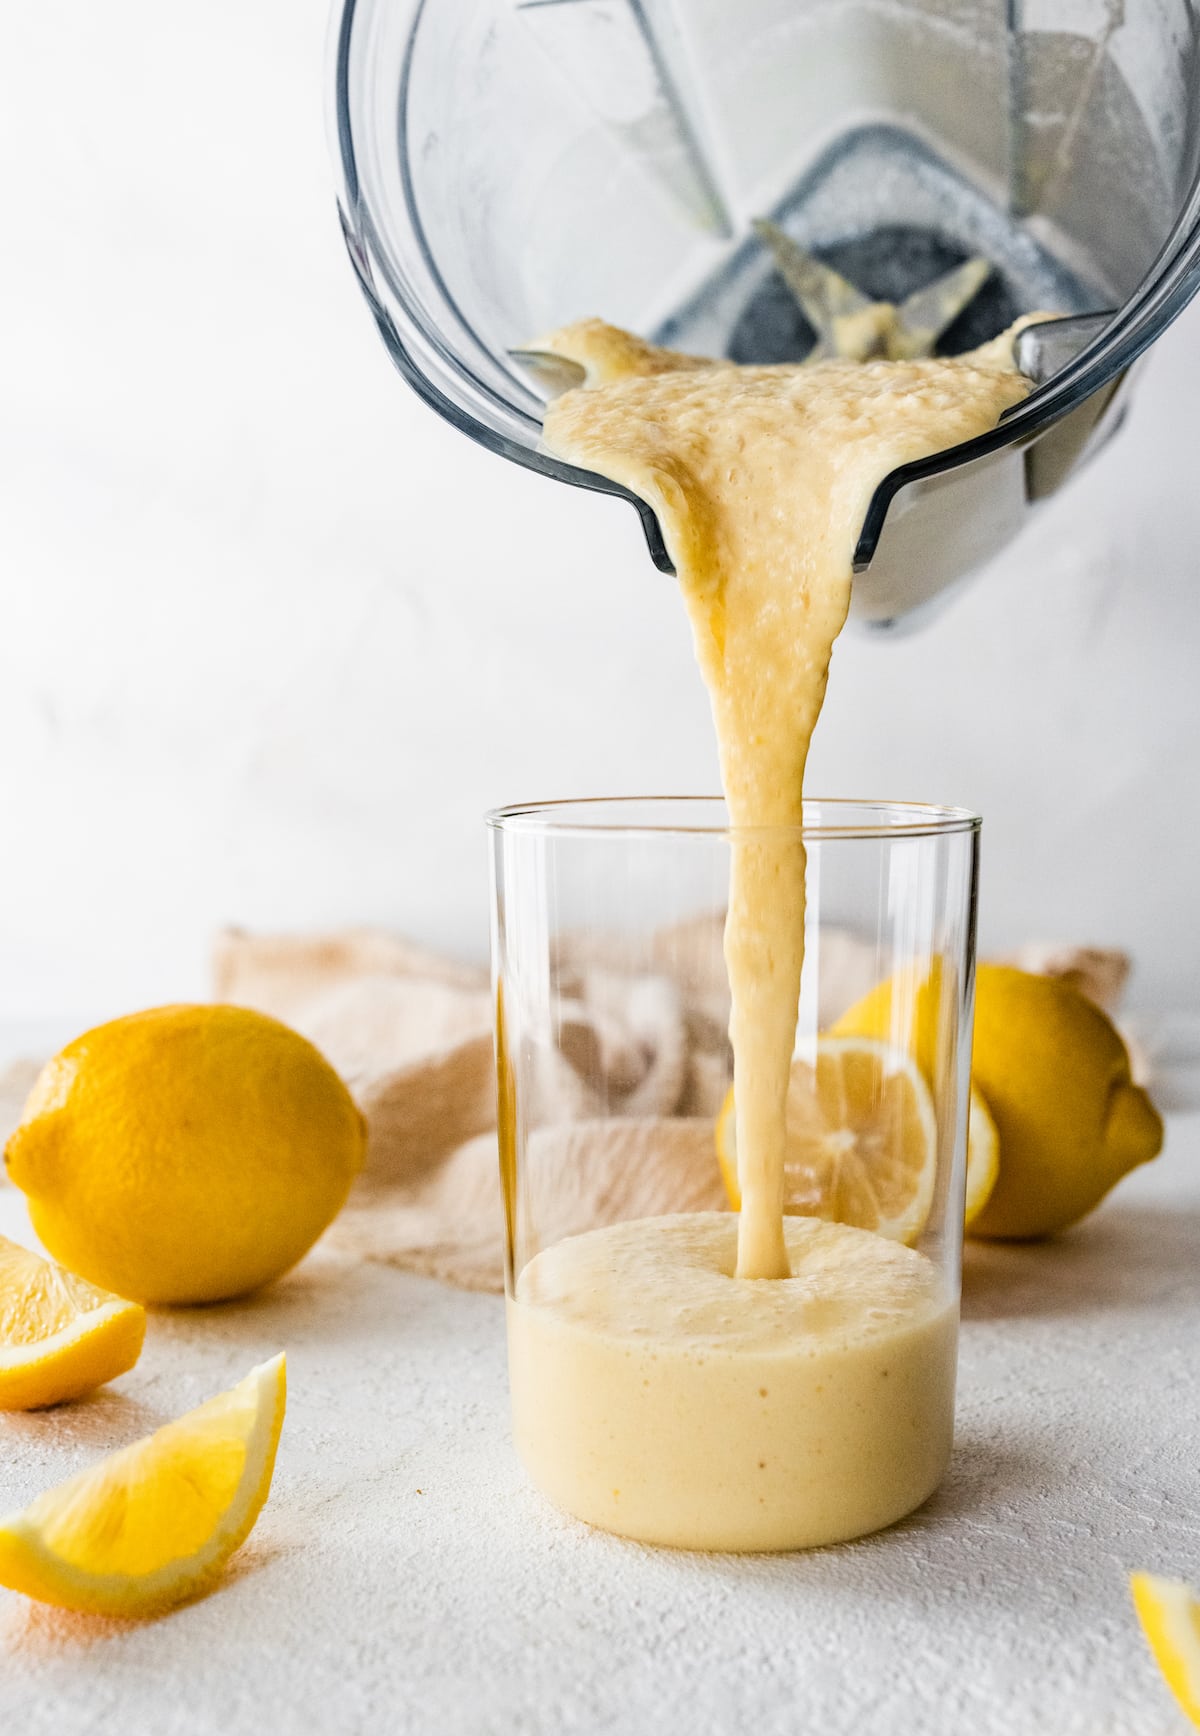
{"x":507,"y":166}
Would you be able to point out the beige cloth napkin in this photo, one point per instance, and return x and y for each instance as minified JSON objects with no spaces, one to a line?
{"x":624,"y":1104}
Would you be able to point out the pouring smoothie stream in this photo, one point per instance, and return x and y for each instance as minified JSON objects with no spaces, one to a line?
{"x":809,"y":1360}
{"x":761,"y":478}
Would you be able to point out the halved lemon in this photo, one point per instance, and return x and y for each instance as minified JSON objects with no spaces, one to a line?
{"x":911,"y":1010}
{"x":1169,"y":1612}
{"x":861,"y":1139}
{"x":983,"y":1158}
{"x":156,"y":1522}
{"x":59,"y":1335}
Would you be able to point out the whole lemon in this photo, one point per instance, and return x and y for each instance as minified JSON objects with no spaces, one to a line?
{"x":1055,"y":1074}
{"x":1056,"y":1119}
{"x":186,"y":1154}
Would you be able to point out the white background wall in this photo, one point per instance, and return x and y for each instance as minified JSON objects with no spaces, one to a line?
{"x":272,"y":636}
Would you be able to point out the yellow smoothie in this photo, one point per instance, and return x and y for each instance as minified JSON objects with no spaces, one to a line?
{"x":641,"y":1354}
{"x":658,"y":1395}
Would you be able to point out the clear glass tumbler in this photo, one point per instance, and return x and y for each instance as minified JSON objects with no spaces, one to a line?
{"x":654,"y":1393}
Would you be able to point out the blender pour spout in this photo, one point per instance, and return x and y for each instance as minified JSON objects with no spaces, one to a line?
{"x":885,"y":585}
{"x":1045,"y":349}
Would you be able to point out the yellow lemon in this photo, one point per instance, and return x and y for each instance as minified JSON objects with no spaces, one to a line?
{"x":59,"y":1335}
{"x":862,"y":1139}
{"x":186,"y":1154}
{"x":1170,"y":1616}
{"x":913,"y":1010}
{"x":1056,"y":1078}
{"x":156,"y":1522}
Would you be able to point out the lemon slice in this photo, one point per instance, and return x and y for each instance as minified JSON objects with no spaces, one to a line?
{"x":1170,"y":1616}
{"x":154,"y":1523}
{"x":59,"y":1335}
{"x":861,"y":1139}
{"x":983,"y":1158}
{"x":910,"y":1011}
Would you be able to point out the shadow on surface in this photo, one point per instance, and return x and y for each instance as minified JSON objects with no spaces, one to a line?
{"x":1127,"y":1256}
{"x":328,"y":1300}
{"x":987,"y":1489}
{"x":40,"y":1630}
{"x":102,"y":1420}
{"x":316,"y":1277}
{"x":987,"y":1479}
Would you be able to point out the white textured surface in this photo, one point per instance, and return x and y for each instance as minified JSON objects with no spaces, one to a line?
{"x":404,"y":1578}
{"x":258,"y":663}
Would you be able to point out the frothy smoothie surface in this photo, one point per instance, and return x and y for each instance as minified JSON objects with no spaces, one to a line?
{"x":761,"y":478}
{"x":656,"y":1394}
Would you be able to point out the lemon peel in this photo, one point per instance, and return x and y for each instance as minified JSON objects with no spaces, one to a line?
{"x":1055,"y":1073}
{"x":1169,"y":1612}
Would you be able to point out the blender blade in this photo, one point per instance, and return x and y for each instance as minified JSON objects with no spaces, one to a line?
{"x":858,"y":327}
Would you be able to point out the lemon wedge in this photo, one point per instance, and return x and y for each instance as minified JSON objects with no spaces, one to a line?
{"x":1170,"y":1616}
{"x":154,"y":1523}
{"x":862,"y":1139}
{"x":59,"y":1335}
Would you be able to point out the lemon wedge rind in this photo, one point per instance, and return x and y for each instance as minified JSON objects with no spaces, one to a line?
{"x":1169,"y":1612}
{"x":983,"y":1158}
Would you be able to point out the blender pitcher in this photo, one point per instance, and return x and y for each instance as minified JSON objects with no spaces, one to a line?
{"x":508,"y":166}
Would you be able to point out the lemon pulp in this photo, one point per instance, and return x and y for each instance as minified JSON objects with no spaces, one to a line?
{"x":861,"y":1139}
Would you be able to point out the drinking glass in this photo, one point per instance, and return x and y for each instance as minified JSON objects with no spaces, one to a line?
{"x":654,"y":1393}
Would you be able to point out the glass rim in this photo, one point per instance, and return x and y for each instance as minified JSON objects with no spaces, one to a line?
{"x":588,"y":816}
